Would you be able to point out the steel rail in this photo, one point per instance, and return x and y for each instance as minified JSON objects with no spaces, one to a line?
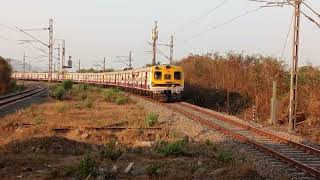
{"x":253,"y":129}
{"x":18,"y":93}
{"x":247,"y":140}
{"x":21,"y":95}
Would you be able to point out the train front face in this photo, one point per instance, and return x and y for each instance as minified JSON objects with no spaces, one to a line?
{"x":167,"y":82}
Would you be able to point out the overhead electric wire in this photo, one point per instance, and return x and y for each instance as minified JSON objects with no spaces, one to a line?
{"x":21,"y":30}
{"x":203,"y":16}
{"x":287,"y":38}
{"x":309,"y":7}
{"x":225,"y":23}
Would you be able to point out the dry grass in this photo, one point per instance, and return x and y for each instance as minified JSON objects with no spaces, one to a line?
{"x":53,"y":114}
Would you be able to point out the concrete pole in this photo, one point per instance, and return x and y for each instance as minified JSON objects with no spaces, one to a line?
{"x":50,"y":49}
{"x":274,"y":103}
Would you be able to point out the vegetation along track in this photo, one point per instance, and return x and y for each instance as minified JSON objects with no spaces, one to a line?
{"x":11,"y":98}
{"x":300,"y":156}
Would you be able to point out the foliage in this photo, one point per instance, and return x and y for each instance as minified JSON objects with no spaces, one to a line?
{"x":110,"y":151}
{"x":36,"y":114}
{"x":57,"y":92}
{"x":151,"y":119}
{"x":225,"y":157}
{"x":83,"y":87}
{"x":120,"y":100}
{"x":5,"y":76}
{"x":67,"y":84}
{"x":171,"y":148}
{"x":87,"y":166}
{"x":154,"y":169}
{"x":210,"y":83}
{"x":114,"y":95}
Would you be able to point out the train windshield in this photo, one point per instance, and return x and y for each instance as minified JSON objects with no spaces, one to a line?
{"x":177,"y":75}
{"x":158,"y":75}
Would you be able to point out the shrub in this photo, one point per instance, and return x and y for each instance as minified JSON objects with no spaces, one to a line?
{"x":57,"y":92}
{"x":83,"y":87}
{"x":110,"y":151}
{"x":171,"y":149}
{"x":151,"y":119}
{"x":87,"y":103}
{"x":5,"y":75}
{"x":154,"y":169}
{"x":110,"y":95}
{"x":121,"y":99}
{"x":83,"y":96}
{"x":67,"y":84}
{"x":224,"y":157}
{"x":87,"y":166}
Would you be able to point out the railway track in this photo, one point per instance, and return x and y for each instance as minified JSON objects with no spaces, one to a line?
{"x":11,"y":98}
{"x":304,"y":159}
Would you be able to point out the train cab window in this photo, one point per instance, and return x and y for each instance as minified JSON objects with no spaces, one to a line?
{"x":167,"y":77}
{"x":177,"y":75}
{"x":158,"y":75}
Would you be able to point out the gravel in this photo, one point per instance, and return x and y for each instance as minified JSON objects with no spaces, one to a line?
{"x":265,"y":165}
{"x":24,"y":103}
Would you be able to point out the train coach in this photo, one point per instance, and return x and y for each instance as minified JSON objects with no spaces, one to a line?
{"x":163,"y":82}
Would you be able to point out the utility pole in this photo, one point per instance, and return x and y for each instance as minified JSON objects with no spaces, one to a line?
{"x":130,"y":60}
{"x":104,"y":64}
{"x":79,"y":68}
{"x":171,"y":50}
{"x":294,"y":68}
{"x":154,"y":42}
{"x":24,"y":67}
{"x":50,"y":49}
{"x":59,"y":57}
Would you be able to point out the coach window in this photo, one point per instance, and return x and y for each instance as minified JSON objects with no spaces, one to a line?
{"x":177,"y":75}
{"x":158,"y":75}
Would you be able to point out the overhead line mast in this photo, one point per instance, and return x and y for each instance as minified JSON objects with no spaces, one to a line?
{"x":294,"y":68}
{"x":154,"y":42}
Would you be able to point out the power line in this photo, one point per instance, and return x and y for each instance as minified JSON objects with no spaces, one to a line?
{"x":225,"y":23}
{"x":287,"y":38}
{"x":203,"y":16}
{"x":311,"y":9}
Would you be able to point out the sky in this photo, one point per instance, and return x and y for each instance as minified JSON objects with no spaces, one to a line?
{"x":94,"y":29}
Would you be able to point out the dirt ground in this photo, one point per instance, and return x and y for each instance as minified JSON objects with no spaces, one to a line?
{"x":97,"y":139}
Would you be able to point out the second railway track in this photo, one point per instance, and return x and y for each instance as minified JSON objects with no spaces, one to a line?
{"x":11,"y":98}
{"x":305,"y":159}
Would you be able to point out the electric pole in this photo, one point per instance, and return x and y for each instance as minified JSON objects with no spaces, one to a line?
{"x":79,"y":67}
{"x":130,"y":60}
{"x":50,"y":49}
{"x":24,"y":67}
{"x":154,"y":42}
{"x":104,"y":64}
{"x":294,"y":68}
{"x":171,"y":50}
{"x":59,"y":55}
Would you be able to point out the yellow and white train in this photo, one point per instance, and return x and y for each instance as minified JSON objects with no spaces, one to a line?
{"x":163,"y":82}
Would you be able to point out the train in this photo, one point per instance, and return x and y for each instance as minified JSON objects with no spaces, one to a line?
{"x":161,"y":82}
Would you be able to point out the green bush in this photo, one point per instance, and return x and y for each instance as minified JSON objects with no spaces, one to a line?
{"x":225,"y":157}
{"x":110,"y":151}
{"x":171,"y":148}
{"x":57,"y":92}
{"x":110,"y":95}
{"x":121,"y":99}
{"x":83,"y":87}
{"x":87,"y":103}
{"x":151,"y":119}
{"x":114,"y":95}
{"x":154,"y":169}
{"x":67,"y":84}
{"x":87,"y":166}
